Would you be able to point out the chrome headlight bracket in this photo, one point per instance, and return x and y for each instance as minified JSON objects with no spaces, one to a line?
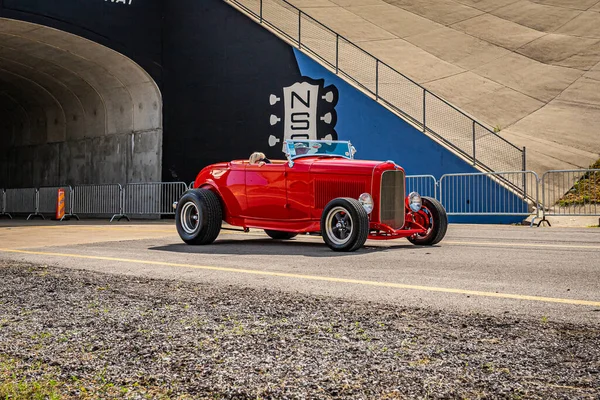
{"x":366,"y":200}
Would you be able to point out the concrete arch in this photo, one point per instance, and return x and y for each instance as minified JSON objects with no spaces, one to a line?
{"x":36,"y":104}
{"x":74,"y":111}
{"x":18,"y":123}
{"x":71,"y":104}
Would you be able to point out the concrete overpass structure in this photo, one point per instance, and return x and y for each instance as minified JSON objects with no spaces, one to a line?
{"x":72,"y":110}
{"x":88,"y":96}
{"x":129,"y":91}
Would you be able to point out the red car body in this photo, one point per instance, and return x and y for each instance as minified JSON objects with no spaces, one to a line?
{"x":286,"y":198}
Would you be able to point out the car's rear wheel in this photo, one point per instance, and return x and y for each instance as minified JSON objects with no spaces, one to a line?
{"x":280,"y":235}
{"x":434,"y":219}
{"x":344,"y":224}
{"x":198,"y":216}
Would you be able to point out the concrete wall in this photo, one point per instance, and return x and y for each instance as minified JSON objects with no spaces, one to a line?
{"x":129,"y":157}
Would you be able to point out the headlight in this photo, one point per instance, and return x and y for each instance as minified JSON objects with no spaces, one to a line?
{"x":414,"y":201}
{"x":367,"y":202}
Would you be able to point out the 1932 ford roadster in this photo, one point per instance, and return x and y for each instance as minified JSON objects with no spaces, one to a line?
{"x":320,"y":188}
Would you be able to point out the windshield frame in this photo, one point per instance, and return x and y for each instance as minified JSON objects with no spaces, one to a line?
{"x":291,"y":158}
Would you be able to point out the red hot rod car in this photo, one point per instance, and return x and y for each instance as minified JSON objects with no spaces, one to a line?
{"x":319,"y":188}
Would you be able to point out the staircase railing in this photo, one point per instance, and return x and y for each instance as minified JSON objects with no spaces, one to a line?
{"x":432,"y":114}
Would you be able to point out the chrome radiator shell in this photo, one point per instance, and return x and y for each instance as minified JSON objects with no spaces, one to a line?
{"x":391,"y":198}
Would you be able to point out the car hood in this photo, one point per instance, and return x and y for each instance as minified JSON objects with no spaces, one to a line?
{"x":341,"y":165}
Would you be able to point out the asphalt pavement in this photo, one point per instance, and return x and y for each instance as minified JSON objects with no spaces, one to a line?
{"x":538,"y":273}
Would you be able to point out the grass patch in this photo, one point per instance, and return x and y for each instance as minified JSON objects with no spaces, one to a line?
{"x":38,"y":381}
{"x":14,"y":385}
{"x":585,"y":191}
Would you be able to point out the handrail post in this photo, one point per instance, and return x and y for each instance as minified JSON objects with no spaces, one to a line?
{"x":299,"y":29}
{"x":261,"y":11}
{"x":424,"y":108}
{"x":524,"y":159}
{"x":524,"y":174}
{"x":337,"y":53}
{"x":377,"y":79}
{"x":474,"y":158}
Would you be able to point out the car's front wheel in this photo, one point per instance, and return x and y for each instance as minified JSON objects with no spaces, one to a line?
{"x":199,"y":216}
{"x":434,"y":219}
{"x":344,"y":224}
{"x":280,"y":235}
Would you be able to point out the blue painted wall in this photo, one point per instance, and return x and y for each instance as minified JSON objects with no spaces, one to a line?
{"x":379,"y":134}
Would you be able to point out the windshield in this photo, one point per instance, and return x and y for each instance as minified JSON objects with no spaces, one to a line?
{"x":331,"y":148}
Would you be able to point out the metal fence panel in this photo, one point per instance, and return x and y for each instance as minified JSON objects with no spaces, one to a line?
{"x":283,"y":17}
{"x":152,"y":198}
{"x":494,"y":151}
{"x":449,"y":124}
{"x":48,"y":197}
{"x":425,"y":185}
{"x":96,"y":200}
{"x":489,"y":193}
{"x":21,"y":201}
{"x":400,"y":93}
{"x":3,"y":204}
{"x":251,"y":6}
{"x":571,"y":192}
{"x":357,"y":64}
{"x":319,"y":40}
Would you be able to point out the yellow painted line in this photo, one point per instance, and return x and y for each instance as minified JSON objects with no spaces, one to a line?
{"x":108,"y":228}
{"x":558,"y":246}
{"x":136,"y":229}
{"x":320,"y":278}
{"x":130,"y":228}
{"x":90,"y":228}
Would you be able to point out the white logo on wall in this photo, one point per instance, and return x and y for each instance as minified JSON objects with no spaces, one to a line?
{"x":127,"y":2}
{"x":306,"y":112}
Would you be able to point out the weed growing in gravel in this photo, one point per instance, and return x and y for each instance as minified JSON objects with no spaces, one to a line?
{"x":41,"y":336}
{"x":47,"y":384}
{"x":420,"y":362}
{"x":12,"y":387}
{"x":488,"y":367}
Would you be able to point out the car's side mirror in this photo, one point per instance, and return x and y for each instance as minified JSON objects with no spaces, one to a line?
{"x":352,"y":151}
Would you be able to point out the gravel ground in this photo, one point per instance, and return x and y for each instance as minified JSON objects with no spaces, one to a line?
{"x":80,"y":334}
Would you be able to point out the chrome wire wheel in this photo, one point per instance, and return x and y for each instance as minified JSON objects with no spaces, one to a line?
{"x":434,"y":219}
{"x":425,"y":219}
{"x":339,"y":225}
{"x":190,"y":217}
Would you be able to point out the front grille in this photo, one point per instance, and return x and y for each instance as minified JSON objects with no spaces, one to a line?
{"x":391,"y":204}
{"x":329,"y":189}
